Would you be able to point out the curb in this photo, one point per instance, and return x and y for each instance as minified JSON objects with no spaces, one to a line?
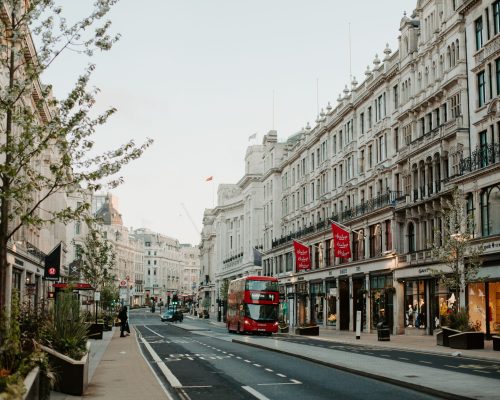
{"x":397,"y":382}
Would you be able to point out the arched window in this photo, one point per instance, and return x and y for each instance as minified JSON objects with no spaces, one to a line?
{"x":457,"y":54}
{"x":411,"y":238}
{"x":448,"y":57}
{"x":490,"y":211}
{"x":453,"y":54}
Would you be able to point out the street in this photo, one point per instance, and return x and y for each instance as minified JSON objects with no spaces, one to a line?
{"x":206,"y":364}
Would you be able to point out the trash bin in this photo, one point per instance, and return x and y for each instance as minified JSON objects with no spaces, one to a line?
{"x":383,"y":332}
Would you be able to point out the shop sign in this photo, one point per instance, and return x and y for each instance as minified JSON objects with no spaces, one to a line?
{"x":333,"y":292}
{"x":290,"y":295}
{"x":343,"y":271}
{"x":302,"y":287}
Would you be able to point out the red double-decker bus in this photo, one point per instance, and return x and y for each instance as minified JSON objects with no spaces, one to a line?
{"x":252,"y":305}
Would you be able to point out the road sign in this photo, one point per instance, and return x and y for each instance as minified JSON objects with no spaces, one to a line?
{"x":123,"y":283}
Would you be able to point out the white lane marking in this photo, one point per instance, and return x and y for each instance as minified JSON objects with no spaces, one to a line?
{"x":280,"y":383}
{"x":174,"y":382}
{"x":424,"y":362}
{"x":255,"y":393}
{"x":258,"y":365}
{"x":385,"y":355}
{"x":247,"y":361}
{"x":156,"y":333}
{"x":283,"y":376}
{"x":403,"y":358}
{"x":484,"y":372}
{"x":269,"y":370}
{"x":296,"y":381}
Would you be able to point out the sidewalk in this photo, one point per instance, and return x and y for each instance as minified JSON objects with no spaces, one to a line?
{"x":118,"y":370}
{"x":424,"y":343}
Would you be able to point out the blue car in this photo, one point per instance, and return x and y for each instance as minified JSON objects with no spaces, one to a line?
{"x":171,"y":316}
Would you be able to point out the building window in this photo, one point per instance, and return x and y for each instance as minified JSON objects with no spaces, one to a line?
{"x":411,"y":238}
{"x":470,"y":213}
{"x":369,"y":117}
{"x":481,"y":89}
{"x":395,"y":96}
{"x":490,"y":211}
{"x":370,"y":157}
{"x":497,"y":66}
{"x":496,"y":16}
{"x":479,"y":32}
{"x":362,"y":121}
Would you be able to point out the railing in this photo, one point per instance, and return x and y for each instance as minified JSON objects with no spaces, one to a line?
{"x":387,"y":199}
{"x":480,"y":158}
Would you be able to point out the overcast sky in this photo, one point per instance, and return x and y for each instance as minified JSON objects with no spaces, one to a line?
{"x":198,"y":76}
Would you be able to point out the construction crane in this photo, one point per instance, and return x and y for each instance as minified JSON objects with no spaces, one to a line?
{"x":190,"y":219}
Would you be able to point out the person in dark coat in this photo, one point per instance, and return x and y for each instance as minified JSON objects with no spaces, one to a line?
{"x":124,"y":321}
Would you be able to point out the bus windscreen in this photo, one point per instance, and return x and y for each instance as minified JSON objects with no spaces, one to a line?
{"x":261,"y":312}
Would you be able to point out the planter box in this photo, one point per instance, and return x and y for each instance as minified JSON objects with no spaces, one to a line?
{"x":496,"y":342}
{"x":34,"y":384}
{"x":72,"y":375}
{"x":95,"y":330}
{"x":467,"y":340}
{"x":307,"y":330}
{"x":442,"y":337}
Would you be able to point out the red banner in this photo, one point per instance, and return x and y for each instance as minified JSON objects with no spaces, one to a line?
{"x":341,"y":242}
{"x":302,"y":257}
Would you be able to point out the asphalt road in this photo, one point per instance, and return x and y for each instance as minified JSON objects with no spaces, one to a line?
{"x":206,"y":364}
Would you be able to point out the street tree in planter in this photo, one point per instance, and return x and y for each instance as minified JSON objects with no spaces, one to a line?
{"x":97,"y":260}
{"x":454,"y":248}
{"x":46,"y":144}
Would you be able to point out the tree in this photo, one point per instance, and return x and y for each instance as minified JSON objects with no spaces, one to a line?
{"x":454,"y":247}
{"x":97,"y":260}
{"x":46,"y":145}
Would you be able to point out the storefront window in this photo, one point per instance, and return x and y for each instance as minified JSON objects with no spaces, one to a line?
{"x":331,"y":295}
{"x":494,"y":307}
{"x":415,"y":304}
{"x":317,"y":297}
{"x":442,"y":304}
{"x":477,"y":311}
{"x":381,"y":293}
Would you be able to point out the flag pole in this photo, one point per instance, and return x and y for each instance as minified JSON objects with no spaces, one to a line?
{"x":342,"y":226}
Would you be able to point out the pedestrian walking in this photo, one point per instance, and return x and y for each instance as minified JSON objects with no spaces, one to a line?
{"x":123,"y":321}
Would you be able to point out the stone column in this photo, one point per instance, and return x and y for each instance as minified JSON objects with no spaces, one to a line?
{"x":368,"y":304}
{"x":351,"y":316}
{"x":337,"y":303}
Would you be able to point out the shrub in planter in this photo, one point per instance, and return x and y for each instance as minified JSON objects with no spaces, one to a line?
{"x":64,"y":339}
{"x":20,"y":356}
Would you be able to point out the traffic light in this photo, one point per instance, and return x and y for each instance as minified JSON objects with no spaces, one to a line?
{"x":175,"y":299}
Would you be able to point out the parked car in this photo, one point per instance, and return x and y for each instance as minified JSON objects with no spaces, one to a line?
{"x":172,"y":316}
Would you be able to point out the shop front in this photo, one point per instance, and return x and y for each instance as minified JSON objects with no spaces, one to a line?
{"x":483,"y":300}
{"x":382,"y":297}
{"x":426,"y":301}
{"x":331,"y":305}
{"x":317,"y":296}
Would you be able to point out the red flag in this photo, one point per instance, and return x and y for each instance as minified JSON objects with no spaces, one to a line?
{"x":341,"y":242}
{"x":302,"y":257}
{"x":209,"y":178}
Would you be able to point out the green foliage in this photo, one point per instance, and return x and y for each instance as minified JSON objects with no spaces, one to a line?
{"x":460,"y":320}
{"x":47,"y":144}
{"x":66,"y":332}
{"x":98,"y":259}
{"x":224,"y":288}
{"x":453,"y":246}
{"x":19,"y":353}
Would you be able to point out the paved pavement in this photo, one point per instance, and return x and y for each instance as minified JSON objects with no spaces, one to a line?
{"x":118,"y":369}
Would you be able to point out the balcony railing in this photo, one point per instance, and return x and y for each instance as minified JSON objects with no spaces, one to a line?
{"x":480,"y":158}
{"x":387,"y":199}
